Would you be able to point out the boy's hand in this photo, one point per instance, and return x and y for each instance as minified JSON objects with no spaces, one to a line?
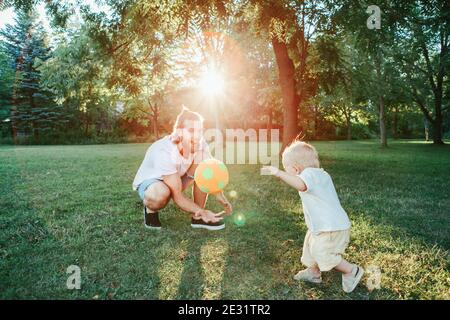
{"x":270,"y":171}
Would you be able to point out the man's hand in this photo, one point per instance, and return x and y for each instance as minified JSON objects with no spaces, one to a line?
{"x":208,"y":216}
{"x":225,"y":203}
{"x":270,"y":170}
{"x":228,"y":208}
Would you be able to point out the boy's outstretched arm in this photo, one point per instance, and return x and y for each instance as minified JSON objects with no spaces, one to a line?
{"x":292,"y":180}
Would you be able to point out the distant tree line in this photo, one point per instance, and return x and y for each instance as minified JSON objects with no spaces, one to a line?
{"x":317,"y":68}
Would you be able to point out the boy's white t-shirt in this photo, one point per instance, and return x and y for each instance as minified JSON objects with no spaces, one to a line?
{"x":321,"y":207}
{"x":163,"y":158}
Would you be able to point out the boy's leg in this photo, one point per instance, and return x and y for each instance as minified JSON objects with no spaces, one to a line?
{"x":351,"y":275}
{"x":312,"y":273}
{"x":315,"y":270}
{"x":345,"y":267}
{"x":307,"y":258}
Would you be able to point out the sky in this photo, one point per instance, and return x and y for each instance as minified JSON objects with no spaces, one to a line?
{"x":7,"y":16}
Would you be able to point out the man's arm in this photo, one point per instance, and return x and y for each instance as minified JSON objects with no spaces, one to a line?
{"x":220,"y":196}
{"x":173,"y":181}
{"x":224,"y":202}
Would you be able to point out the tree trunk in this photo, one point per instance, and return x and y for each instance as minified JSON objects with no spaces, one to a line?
{"x":34,"y":126}
{"x":348,"y":120}
{"x":382,"y":116}
{"x":155,"y":126}
{"x":269,"y":124}
{"x":291,"y":100}
{"x":86,"y":127}
{"x":395,"y":124}
{"x":426,"y":126}
{"x":349,"y":130}
{"x":436,"y":86}
{"x":383,"y":136}
{"x":316,"y":120}
{"x":437,"y":129}
{"x":438,"y":119}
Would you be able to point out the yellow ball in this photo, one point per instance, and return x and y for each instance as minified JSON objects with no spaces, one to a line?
{"x":211,"y":176}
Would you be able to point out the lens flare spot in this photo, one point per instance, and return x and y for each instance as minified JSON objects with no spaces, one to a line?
{"x":239,"y":220}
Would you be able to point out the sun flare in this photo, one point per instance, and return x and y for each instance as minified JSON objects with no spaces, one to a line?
{"x":212,"y":83}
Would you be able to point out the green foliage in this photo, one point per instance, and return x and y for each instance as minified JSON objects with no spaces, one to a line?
{"x":125,"y":70}
{"x":33,"y":111}
{"x":6,"y":84}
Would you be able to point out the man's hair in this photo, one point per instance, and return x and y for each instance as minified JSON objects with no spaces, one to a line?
{"x":184,"y":115}
{"x":302,"y":153}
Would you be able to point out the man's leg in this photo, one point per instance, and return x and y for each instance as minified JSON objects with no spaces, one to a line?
{"x":199,"y":196}
{"x":156,"y":196}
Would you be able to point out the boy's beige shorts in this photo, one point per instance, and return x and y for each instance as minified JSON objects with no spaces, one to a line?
{"x":325,"y":249}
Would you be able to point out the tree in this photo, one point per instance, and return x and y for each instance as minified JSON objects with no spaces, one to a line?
{"x":78,"y":74}
{"x":373,"y":43}
{"x":33,"y":110}
{"x":289,"y":26}
{"x":422,"y":54}
{"x":6,"y":85}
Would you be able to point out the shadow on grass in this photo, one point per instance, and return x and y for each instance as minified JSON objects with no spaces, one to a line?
{"x":192,"y":281}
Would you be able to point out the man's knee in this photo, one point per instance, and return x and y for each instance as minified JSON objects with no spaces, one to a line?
{"x":157,"y":195}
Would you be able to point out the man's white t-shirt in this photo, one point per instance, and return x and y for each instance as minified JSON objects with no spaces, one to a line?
{"x":321,"y":207}
{"x":163,"y":158}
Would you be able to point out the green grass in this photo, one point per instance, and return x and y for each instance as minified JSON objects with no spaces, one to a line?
{"x":73,"y":205}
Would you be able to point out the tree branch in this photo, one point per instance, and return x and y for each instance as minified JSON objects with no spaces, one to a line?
{"x":414,"y":65}
{"x":142,"y":110}
{"x":430,"y":69}
{"x":424,"y":109}
{"x":126,"y":44}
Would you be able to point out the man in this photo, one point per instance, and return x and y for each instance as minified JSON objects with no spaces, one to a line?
{"x":168,"y":169}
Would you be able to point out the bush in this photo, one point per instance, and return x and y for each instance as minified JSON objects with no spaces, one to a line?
{"x":6,"y":140}
{"x":361,"y":131}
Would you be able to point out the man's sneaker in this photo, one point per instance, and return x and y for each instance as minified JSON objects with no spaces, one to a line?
{"x":151,"y":220}
{"x":308,"y":276}
{"x":349,"y":283}
{"x":207,"y":225}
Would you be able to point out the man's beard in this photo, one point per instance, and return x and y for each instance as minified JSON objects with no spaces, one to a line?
{"x":194,"y":147}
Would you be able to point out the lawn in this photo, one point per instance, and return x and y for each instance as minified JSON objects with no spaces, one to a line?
{"x":73,"y":205}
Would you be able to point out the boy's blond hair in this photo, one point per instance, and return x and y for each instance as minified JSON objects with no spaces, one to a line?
{"x":301,"y":153}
